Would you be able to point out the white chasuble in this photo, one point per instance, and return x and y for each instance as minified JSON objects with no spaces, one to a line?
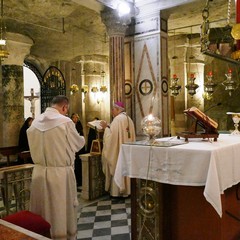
{"x":121,"y":131}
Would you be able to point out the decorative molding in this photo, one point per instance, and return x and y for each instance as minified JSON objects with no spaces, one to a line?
{"x":145,"y":53}
{"x":164,"y":85}
{"x":128,"y":88}
{"x":143,"y":26}
{"x":145,"y":87}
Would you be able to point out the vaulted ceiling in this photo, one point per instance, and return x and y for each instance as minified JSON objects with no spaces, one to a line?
{"x":64,"y":29}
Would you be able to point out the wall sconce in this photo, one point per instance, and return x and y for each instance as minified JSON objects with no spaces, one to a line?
{"x":84,"y":89}
{"x":103,"y":89}
{"x":103,"y":74}
{"x":94,"y":89}
{"x":74,"y":88}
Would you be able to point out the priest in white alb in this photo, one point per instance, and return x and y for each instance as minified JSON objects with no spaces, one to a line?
{"x":53,"y":141}
{"x":120,"y":131}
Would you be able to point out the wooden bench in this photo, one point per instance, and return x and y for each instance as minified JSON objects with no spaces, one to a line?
{"x":25,"y":155}
{"x":9,"y":151}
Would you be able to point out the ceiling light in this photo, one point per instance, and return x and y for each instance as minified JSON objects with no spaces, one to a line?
{"x":123,"y":8}
{"x":2,"y":42}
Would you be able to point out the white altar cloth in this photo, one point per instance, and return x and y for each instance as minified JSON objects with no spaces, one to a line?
{"x":215,"y":165}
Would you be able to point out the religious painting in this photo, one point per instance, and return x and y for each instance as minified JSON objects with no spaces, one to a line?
{"x":95,"y":147}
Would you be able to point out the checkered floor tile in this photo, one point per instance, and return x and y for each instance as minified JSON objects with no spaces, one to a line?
{"x":107,"y":219}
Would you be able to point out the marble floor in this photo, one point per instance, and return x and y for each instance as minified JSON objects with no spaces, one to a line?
{"x":104,"y":219}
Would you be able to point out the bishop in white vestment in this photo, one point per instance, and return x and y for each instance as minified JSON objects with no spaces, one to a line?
{"x":120,"y":131}
{"x":53,"y":141}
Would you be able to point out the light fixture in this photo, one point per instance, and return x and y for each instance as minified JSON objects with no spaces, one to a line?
{"x":84,"y":89}
{"x":209,"y":86}
{"x":103,"y":89}
{"x":103,"y":74}
{"x":174,"y":86}
{"x":151,"y":127}
{"x":229,"y":84}
{"x":3,"y":52}
{"x":123,"y":8}
{"x":191,"y":86}
{"x":94,"y":89}
{"x":74,"y":88}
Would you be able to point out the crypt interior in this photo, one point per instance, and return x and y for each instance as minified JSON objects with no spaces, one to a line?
{"x":78,"y":43}
{"x":162,"y":57}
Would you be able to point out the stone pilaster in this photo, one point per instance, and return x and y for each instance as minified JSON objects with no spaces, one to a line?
{"x":116,"y":28}
{"x":12,"y":89}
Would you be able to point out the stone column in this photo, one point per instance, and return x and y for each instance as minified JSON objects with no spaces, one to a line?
{"x":116,"y":28}
{"x":12,"y":89}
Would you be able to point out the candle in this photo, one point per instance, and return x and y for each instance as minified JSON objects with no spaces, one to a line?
{"x":210,"y":74}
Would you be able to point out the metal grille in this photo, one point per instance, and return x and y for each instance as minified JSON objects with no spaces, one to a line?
{"x":53,"y":84}
{"x":15,"y":188}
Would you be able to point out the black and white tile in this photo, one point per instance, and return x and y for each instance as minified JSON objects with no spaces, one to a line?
{"x":106,"y":219}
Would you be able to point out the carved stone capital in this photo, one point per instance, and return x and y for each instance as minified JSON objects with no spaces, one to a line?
{"x":18,"y":46}
{"x":116,"y":25}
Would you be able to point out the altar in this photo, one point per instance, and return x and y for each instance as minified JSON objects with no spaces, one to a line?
{"x":183,"y":191}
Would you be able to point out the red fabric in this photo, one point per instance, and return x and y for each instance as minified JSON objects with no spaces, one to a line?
{"x":29,"y":221}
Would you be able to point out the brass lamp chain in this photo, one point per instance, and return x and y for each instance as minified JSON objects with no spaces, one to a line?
{"x":1,"y":8}
{"x":229,"y":12}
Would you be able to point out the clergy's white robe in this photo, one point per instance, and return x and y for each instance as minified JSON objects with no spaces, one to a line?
{"x":53,"y":141}
{"x":121,"y":131}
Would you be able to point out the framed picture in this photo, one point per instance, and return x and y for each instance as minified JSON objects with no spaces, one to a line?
{"x":95,"y":147}
{"x":163,"y":25}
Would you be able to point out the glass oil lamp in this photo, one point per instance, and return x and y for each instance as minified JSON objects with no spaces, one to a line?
{"x":175,"y":88}
{"x":151,"y":126}
{"x":192,"y":86}
{"x":209,"y":85}
{"x":229,"y":84}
